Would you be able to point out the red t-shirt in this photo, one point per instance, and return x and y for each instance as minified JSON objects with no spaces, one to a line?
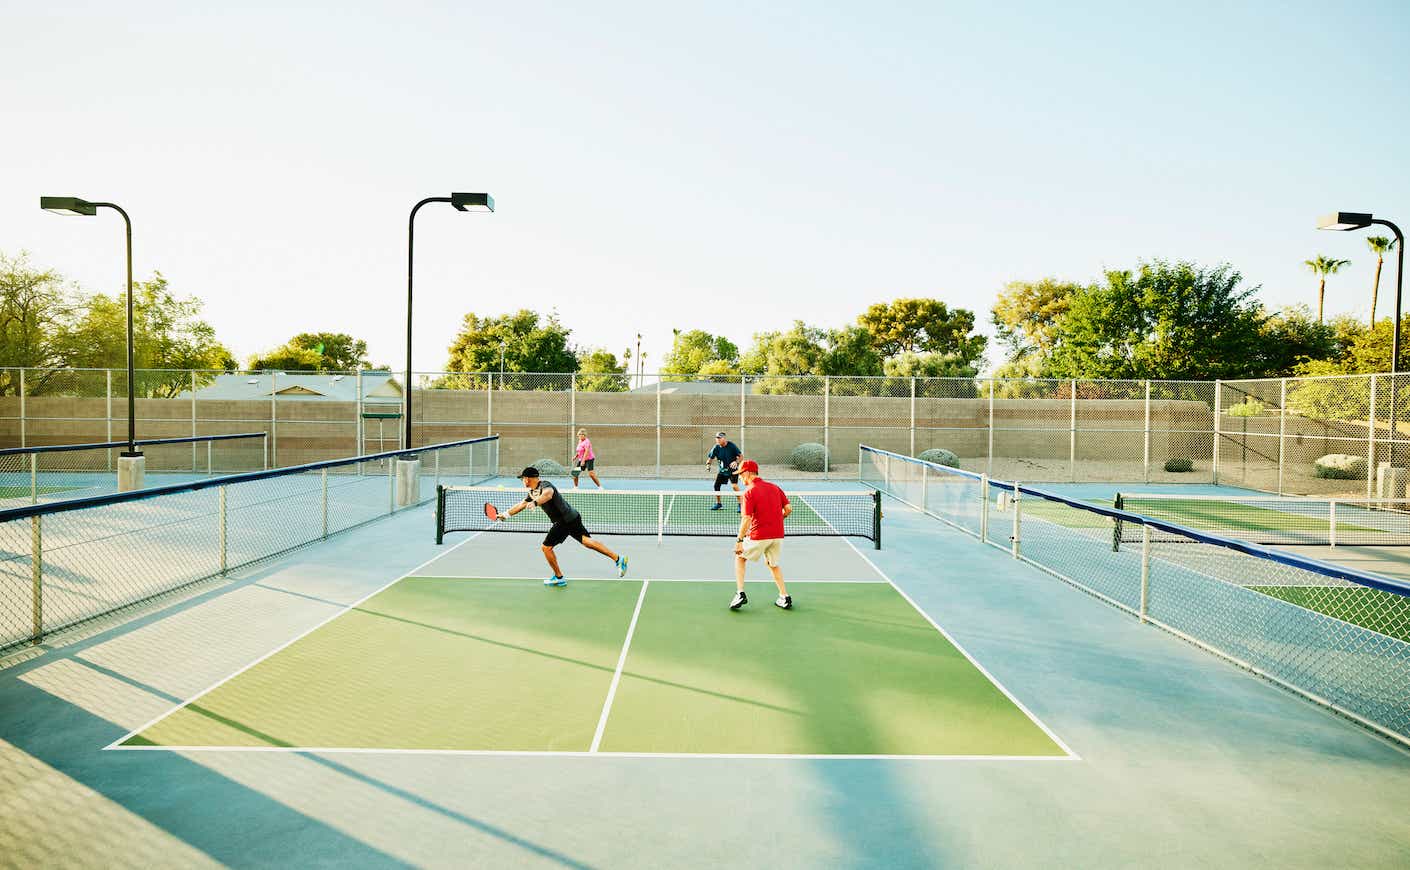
{"x":763,"y":504}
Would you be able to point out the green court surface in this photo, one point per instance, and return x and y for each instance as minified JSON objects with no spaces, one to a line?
{"x":509,"y":666}
{"x":24,"y":491}
{"x":1369,"y":608}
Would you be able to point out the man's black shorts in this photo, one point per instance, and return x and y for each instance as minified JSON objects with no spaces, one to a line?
{"x":560,"y":532}
{"x":723,"y":478}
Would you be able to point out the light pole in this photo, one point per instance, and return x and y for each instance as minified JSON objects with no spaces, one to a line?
{"x":1352,"y":220}
{"x":70,"y":206}
{"x":461,"y":202}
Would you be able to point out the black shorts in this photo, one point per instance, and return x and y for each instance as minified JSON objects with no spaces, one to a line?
{"x":725,"y":477}
{"x":560,"y":532}
{"x":587,"y":465}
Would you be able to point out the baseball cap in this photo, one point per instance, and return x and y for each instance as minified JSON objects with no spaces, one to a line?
{"x":719,"y":435}
{"x":529,"y":471}
{"x":750,"y":466}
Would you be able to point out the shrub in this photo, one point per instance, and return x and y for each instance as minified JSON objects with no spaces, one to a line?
{"x":1249,"y":407}
{"x":1179,"y":466}
{"x":548,"y":467}
{"x":1340,"y":466}
{"x":940,"y":456}
{"x":809,"y":456}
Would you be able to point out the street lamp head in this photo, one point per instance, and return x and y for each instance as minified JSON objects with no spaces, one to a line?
{"x":67,"y":205}
{"x":1344,"y":220}
{"x":472,"y":201}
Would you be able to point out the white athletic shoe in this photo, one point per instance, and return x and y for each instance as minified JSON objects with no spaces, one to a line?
{"x":739,"y":600}
{"x":784,"y":601}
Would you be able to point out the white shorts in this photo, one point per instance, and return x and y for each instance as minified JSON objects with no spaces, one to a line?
{"x":767,"y":549}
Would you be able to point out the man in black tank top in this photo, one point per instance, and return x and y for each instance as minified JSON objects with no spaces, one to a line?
{"x":567,"y":523}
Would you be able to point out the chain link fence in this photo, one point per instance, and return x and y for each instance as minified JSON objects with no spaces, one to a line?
{"x":1335,"y":635}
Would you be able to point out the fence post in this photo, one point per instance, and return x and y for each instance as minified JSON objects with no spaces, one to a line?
{"x":223,"y":542}
{"x":34,"y":478}
{"x":743,"y":379}
{"x":572,"y":413}
{"x":273,"y":420}
{"x":913,"y":416}
{"x":1145,"y":568}
{"x":1072,"y":435}
{"x":1218,"y":399}
{"x":23,"y":415}
{"x":658,"y":427}
{"x":194,"y":465}
{"x":1282,"y":430}
{"x":1332,"y":522}
{"x":827,"y":424}
{"x":1371,"y":438}
{"x":36,"y":578}
{"x":1017,"y":523}
{"x":108,"y":404}
{"x":264,"y":442}
{"x":924,"y":487}
{"x":984,"y":507}
{"x":489,"y":404}
{"x":357,"y":412}
{"x":886,"y":472}
{"x":391,"y":485}
{"x":438,"y":469}
{"x":1146,"y":451}
{"x":989,"y":462}
{"x":324,"y":475}
{"x":210,"y":457}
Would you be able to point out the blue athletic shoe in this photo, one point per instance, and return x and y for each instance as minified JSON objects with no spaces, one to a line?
{"x":716,"y":506}
{"x":738,"y":509}
{"x":555,"y":581}
{"x":621,"y":566}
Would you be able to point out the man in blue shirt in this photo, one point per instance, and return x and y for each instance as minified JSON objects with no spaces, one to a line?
{"x":727,"y":453}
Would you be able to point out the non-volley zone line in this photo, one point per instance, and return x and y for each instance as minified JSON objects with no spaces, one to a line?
{"x":507,"y":667}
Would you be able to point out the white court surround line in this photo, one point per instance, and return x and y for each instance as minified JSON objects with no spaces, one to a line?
{"x":619,"y":580}
{"x":594,"y":752}
{"x":129,"y":735}
{"x":617,"y":674}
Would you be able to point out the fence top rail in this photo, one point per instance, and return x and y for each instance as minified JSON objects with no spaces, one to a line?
{"x":225,"y":480}
{"x":865,"y":448}
{"x":103,"y":445}
{"x":1292,"y":560}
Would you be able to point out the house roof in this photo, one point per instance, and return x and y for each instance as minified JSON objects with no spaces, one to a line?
{"x":377,"y":387}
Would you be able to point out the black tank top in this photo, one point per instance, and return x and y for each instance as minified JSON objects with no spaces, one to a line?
{"x":557,"y":507}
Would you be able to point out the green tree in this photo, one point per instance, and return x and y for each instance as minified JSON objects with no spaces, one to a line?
{"x":1290,"y":338}
{"x":929,"y":365}
{"x":599,"y":372}
{"x":36,"y":316}
{"x":1027,"y":314}
{"x":850,"y":352}
{"x":169,"y":338}
{"x":316,"y":352}
{"x":1323,"y":266}
{"x":1162,"y":320}
{"x":1380,"y":246}
{"x":531,"y":342}
{"x":691,"y":351}
{"x":922,"y":326}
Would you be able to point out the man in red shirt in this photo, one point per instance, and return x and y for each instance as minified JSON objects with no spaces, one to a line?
{"x":765,"y":507}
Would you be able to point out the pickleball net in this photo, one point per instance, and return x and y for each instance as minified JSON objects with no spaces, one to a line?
{"x":1276,"y":520}
{"x":660,"y":513}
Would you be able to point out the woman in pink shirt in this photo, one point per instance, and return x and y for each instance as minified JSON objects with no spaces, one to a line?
{"x":584,"y":459}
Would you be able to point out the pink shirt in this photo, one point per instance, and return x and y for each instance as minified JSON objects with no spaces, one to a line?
{"x":584,"y":450}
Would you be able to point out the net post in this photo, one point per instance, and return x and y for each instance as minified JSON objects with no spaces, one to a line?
{"x":223,"y":525}
{"x":1146,"y":450}
{"x":1017,"y":523}
{"x":1145,"y":568}
{"x":660,"y":518}
{"x":440,"y":513}
{"x":324,"y":475}
{"x":1332,"y":522}
{"x":1072,"y":434}
{"x":36,"y":578}
{"x":1371,"y":438}
{"x":1218,"y":399}
{"x":876,"y":517}
{"x":1120,"y":505}
{"x":983,"y":507}
{"x":34,"y":478}
{"x":1282,"y":431}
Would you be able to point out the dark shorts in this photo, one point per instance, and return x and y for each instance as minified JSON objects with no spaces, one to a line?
{"x":723,"y":478}
{"x":560,"y":532}
{"x":587,"y":465}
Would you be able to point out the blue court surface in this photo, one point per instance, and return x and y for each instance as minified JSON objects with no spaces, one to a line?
{"x":1169,"y":756}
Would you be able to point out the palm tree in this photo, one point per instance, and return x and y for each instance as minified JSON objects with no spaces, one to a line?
{"x":1322,"y":267}
{"x":1380,"y":246}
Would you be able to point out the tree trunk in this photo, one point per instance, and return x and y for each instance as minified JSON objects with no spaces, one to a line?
{"x":1321,"y":292}
{"x":1376,"y":288}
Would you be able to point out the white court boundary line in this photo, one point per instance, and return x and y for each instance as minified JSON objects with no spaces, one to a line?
{"x":601,"y":726}
{"x":473,"y":577}
{"x":129,"y":735}
{"x":617,"y":674}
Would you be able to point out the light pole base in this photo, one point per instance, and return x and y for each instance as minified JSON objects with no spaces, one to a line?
{"x":408,"y":482}
{"x":132,"y":471}
{"x":1391,"y":481}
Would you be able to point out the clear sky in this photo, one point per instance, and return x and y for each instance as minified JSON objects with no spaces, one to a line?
{"x":729,"y":166}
